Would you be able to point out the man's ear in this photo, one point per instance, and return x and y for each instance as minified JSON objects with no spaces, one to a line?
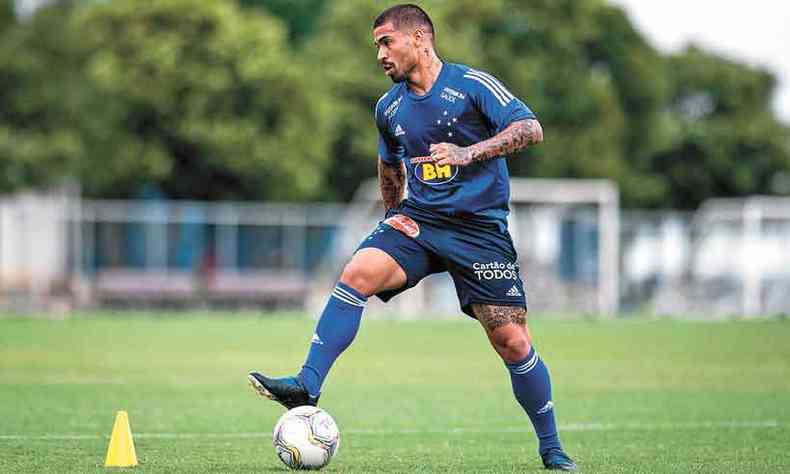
{"x":419,"y":35}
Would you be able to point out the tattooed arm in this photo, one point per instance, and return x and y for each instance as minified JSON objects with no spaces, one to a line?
{"x":392,"y":180}
{"x":517,"y":136}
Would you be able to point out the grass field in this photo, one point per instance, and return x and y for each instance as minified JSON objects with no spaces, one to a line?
{"x":631,"y":396}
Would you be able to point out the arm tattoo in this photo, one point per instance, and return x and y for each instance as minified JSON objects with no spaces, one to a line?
{"x":517,"y":136}
{"x":492,"y":317}
{"x":392,"y":180}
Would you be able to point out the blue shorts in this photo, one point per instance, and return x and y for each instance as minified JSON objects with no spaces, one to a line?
{"x":479,"y":257}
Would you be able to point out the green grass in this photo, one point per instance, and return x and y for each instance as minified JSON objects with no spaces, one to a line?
{"x":631,"y":396}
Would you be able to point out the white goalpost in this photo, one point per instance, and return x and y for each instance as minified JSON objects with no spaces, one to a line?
{"x":566,"y":193}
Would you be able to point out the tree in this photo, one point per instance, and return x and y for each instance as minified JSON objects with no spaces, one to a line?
{"x":550,"y":53}
{"x":726,"y":140}
{"x":203,"y":99}
{"x":213,"y":100}
{"x":7,"y":14}
{"x":300,"y":16}
{"x":41,"y":95}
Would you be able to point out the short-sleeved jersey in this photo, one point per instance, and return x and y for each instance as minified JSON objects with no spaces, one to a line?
{"x":464,"y":106}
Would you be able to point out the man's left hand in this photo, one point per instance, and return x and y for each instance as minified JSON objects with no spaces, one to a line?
{"x":449,"y":154}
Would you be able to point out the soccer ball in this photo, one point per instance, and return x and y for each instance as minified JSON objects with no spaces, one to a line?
{"x":306,"y":437}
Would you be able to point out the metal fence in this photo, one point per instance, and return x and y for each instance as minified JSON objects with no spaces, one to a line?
{"x":731,"y":257}
{"x":58,"y":252}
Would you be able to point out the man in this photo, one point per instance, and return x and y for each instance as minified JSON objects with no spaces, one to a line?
{"x":447,"y":128}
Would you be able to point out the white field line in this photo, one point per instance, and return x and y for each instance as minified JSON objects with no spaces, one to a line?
{"x":449,"y":431}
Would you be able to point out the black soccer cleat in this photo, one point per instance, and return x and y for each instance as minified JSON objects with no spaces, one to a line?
{"x":555,"y":459}
{"x":289,"y":392}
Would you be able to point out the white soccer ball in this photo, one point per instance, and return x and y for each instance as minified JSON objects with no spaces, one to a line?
{"x":306,"y":437}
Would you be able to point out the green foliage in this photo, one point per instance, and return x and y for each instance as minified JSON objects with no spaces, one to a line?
{"x":726,"y":141}
{"x":210,"y":99}
{"x":300,"y":16}
{"x":7,"y":17}
{"x":270,"y":99}
{"x":201,"y":98}
{"x":40,"y":98}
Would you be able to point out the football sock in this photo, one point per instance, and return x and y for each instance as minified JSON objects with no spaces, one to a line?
{"x":532,"y":387}
{"x":335,"y":330}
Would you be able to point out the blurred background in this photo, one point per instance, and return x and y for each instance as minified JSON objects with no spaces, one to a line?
{"x":188,"y":154}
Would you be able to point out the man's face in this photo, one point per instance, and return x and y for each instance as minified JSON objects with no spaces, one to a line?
{"x":397,"y":51}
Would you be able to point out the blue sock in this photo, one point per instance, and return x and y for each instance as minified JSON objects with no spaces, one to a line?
{"x":532,"y":387}
{"x":335,"y":330}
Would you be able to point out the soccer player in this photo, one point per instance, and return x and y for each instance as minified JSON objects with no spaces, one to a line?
{"x":446,"y":129}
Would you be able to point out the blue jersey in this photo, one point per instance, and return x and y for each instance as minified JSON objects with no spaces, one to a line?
{"x":464,"y":106}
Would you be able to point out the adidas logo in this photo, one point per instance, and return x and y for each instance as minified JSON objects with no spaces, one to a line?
{"x":546,"y":408}
{"x":399,"y":131}
{"x":513,"y":292}
{"x":316,"y":340}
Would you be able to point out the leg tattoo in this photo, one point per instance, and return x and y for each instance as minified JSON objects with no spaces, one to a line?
{"x":492,"y":317}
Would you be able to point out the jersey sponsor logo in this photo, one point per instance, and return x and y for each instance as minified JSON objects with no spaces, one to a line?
{"x":399,"y":131}
{"x":391,"y":109}
{"x":432,"y":173}
{"x":404,"y":224}
{"x":496,"y":271}
{"x":451,"y":95}
{"x":513,"y":291}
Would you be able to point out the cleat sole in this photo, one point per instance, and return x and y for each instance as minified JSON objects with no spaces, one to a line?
{"x":260,"y":389}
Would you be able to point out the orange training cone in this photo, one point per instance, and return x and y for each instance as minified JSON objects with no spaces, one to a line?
{"x":121,"y":453}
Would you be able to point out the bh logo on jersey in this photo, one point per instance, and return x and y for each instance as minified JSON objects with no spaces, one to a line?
{"x":432,"y":173}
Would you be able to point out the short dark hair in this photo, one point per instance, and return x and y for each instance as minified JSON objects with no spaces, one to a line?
{"x":406,"y":14}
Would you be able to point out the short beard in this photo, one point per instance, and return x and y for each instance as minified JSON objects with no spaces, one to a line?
{"x":397,"y":78}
